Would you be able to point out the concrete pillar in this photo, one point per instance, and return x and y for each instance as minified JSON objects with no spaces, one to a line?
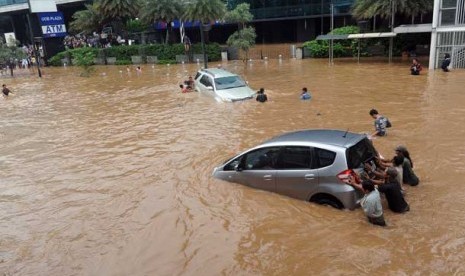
{"x":434,"y":35}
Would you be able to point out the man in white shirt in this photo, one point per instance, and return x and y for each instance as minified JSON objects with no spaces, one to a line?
{"x":371,"y":202}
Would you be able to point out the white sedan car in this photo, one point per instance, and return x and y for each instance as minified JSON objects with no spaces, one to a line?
{"x":222,"y":85}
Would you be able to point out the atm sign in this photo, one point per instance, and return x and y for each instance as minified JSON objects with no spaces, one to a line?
{"x":53,"y":24}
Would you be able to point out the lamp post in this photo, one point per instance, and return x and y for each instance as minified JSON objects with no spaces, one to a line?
{"x":331,"y":43}
{"x":391,"y":39}
{"x":204,"y":28}
{"x":31,"y":33}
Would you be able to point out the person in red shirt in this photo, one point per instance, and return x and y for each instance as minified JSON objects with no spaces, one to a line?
{"x":416,"y":67}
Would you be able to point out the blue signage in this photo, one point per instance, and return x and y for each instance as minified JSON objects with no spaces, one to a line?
{"x":53,"y":24}
{"x":177,"y":24}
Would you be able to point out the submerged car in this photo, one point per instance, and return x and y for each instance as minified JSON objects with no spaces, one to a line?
{"x":311,"y":165}
{"x":222,"y":85}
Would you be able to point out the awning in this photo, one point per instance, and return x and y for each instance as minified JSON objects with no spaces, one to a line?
{"x":414,"y":28}
{"x":371,"y":35}
{"x":355,"y":36}
{"x":329,"y":37}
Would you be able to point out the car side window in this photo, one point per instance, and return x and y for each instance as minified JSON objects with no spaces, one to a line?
{"x":295,"y":158}
{"x":198,"y":75}
{"x":325,"y":157}
{"x":261,"y":159}
{"x":231,"y":166}
{"x":205,"y":80}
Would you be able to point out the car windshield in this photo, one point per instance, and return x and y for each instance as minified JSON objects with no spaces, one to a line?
{"x":359,"y":153}
{"x":229,"y":82}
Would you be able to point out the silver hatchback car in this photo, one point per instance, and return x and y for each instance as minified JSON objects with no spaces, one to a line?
{"x":311,"y":165}
{"x":224,"y":86}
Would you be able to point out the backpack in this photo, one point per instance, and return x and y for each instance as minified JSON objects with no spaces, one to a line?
{"x":388,"y":123}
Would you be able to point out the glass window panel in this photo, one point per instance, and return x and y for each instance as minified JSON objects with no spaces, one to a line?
{"x":448,"y":17}
{"x":449,"y":3}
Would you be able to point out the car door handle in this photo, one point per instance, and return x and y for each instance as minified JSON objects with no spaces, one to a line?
{"x":309,"y":176}
{"x":267,"y":177}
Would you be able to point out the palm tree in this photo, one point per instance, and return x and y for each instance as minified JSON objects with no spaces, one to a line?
{"x":205,"y":11}
{"x":87,"y":20}
{"x":119,"y":9}
{"x":363,"y":9}
{"x":162,"y":11}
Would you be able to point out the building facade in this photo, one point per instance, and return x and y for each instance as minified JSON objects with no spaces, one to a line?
{"x":448,"y":33}
{"x":295,"y":20}
{"x":14,"y":19}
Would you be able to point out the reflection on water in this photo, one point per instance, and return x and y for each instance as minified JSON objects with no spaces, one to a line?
{"x":111,"y":175}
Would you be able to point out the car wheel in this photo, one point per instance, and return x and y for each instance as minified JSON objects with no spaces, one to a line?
{"x":328,"y":201}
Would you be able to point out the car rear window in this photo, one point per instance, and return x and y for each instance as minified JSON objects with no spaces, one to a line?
{"x":359,"y":153}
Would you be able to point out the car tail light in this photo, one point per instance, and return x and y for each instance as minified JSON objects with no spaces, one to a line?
{"x":344,"y":176}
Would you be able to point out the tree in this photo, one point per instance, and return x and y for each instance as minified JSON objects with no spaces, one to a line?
{"x":85,"y":60}
{"x":9,"y":53}
{"x":205,"y":11}
{"x":244,"y":37}
{"x":240,"y":15}
{"x":87,"y":20}
{"x":117,"y":12}
{"x":363,"y":9}
{"x":165,"y":11}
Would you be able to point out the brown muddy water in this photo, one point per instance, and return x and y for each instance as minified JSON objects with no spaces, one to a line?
{"x":111,"y":175}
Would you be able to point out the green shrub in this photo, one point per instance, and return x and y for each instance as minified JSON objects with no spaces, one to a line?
{"x":167,"y":61}
{"x":123,"y":53}
{"x":123,"y":62}
{"x":56,"y":59}
{"x":342,"y":48}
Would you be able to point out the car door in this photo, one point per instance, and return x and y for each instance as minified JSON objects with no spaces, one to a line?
{"x":206,"y":85}
{"x":295,"y":176}
{"x":257,"y":169}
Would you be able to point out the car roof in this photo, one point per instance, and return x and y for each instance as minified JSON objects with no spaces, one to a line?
{"x":217,"y":73}
{"x":333,"y":137}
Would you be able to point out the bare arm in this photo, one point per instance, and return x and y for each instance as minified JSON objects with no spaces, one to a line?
{"x":351,"y":182}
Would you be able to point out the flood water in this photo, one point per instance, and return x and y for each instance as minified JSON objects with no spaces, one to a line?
{"x":111,"y":175}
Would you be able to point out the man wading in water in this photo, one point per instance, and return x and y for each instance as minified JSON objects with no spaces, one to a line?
{"x":5,"y":91}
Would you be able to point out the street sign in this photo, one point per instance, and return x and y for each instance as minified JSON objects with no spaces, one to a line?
{"x":53,"y":24}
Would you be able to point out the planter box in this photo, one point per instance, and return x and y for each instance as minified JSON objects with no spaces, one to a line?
{"x":181,"y":58}
{"x":198,"y":57}
{"x":136,"y":59}
{"x":65,"y":60}
{"x":99,"y":61}
{"x":111,"y":60}
{"x":152,"y":59}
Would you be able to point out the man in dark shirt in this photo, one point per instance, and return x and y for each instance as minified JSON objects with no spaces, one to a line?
{"x":5,"y":91}
{"x":261,"y":96}
{"x":393,"y":193}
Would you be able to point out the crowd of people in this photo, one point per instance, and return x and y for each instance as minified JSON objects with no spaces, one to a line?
{"x":385,"y":176}
{"x":102,"y":40}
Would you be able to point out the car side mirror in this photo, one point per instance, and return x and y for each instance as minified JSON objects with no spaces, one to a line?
{"x":238,"y":168}
{"x":209,"y":87}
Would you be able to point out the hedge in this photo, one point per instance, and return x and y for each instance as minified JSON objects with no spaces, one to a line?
{"x":123,"y":53}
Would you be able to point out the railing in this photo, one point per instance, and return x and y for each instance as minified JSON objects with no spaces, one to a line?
{"x":459,"y":57}
{"x":298,"y":11}
{"x":293,"y":8}
{"x":453,"y":44}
